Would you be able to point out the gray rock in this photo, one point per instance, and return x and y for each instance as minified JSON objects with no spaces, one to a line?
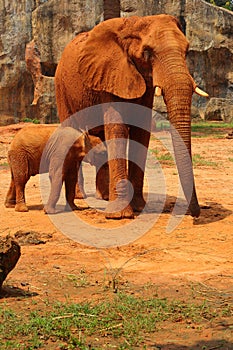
{"x":219,"y":109}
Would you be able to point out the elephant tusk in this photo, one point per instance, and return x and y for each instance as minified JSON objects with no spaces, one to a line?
{"x":201,"y":92}
{"x":158,"y":91}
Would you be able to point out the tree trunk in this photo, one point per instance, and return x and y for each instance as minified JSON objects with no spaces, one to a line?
{"x":111,"y":9}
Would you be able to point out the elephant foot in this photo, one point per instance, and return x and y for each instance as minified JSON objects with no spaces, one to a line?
{"x":194,"y":212}
{"x":9,"y":203}
{"x":103,"y":196}
{"x":80,"y":194}
{"x":21,"y":207}
{"x":71,"y":207}
{"x":138,"y":203}
{"x":119,"y":210}
{"x":49,"y":210}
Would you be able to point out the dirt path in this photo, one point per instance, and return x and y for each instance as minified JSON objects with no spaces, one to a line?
{"x":197,"y":255}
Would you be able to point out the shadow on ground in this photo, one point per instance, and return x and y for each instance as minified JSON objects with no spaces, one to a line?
{"x":36,"y":207}
{"x":215,"y":344}
{"x":210,"y":212}
{"x":13,"y":292}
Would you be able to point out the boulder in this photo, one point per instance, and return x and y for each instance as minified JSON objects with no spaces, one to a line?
{"x":219,"y":109}
{"x":160,"y":108}
{"x":43,"y":104}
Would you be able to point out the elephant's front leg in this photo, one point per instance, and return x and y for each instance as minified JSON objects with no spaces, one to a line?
{"x":55,"y":176}
{"x":56,"y":185}
{"x":119,"y":193}
{"x":70,"y":174}
{"x":102,"y":182}
{"x":138,"y":145}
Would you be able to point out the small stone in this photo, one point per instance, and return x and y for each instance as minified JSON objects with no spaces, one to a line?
{"x":24,"y":284}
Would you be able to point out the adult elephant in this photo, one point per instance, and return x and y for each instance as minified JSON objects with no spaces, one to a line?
{"x":130,"y":60}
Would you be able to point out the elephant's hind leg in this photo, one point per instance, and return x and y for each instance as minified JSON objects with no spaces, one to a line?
{"x":138,"y":202}
{"x":79,"y":188}
{"x":20,"y":175}
{"x":137,"y":160}
{"x":70,"y":178}
{"x":10,"y":200}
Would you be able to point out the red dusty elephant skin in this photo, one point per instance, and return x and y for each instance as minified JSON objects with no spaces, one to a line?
{"x":130,"y":60}
{"x":41,"y":148}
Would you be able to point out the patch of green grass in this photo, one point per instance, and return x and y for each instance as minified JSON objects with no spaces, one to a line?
{"x":163,"y":125}
{"x":79,"y":280}
{"x":166,"y":158}
{"x":205,"y":128}
{"x":198,"y":160}
{"x":29,"y":120}
{"x":4,"y":164}
{"x":162,"y":157}
{"x":125,"y":320}
{"x":230,"y":159}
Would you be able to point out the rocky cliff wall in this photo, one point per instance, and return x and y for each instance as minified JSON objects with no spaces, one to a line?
{"x":45,"y":27}
{"x":41,"y":29}
{"x":210,"y":32}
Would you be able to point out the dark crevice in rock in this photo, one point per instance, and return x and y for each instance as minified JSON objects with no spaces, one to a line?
{"x":48,"y":69}
{"x":182,"y":16}
{"x":112,"y":9}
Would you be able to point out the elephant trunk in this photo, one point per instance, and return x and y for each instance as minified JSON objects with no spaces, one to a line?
{"x":178,"y":97}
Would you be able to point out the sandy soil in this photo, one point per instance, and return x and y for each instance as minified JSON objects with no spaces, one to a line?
{"x":195,"y":258}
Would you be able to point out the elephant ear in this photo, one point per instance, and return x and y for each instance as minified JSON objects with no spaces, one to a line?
{"x":105,"y":66}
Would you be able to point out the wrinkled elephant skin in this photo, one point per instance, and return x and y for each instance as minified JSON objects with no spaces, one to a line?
{"x":47,"y":148}
{"x":129,"y":60}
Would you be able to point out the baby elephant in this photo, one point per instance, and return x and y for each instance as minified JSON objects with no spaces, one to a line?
{"x":41,"y":148}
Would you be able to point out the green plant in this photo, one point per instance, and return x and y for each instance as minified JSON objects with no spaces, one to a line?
{"x":163,"y":125}
{"x":4,"y":164}
{"x":79,"y":280}
{"x":222,"y":3}
{"x":124,"y":319}
{"x":198,"y":160}
{"x":205,"y":129}
{"x":163,"y":157}
{"x":29,"y":120}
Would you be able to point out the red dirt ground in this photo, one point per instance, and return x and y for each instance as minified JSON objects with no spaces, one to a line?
{"x":194,"y":259}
